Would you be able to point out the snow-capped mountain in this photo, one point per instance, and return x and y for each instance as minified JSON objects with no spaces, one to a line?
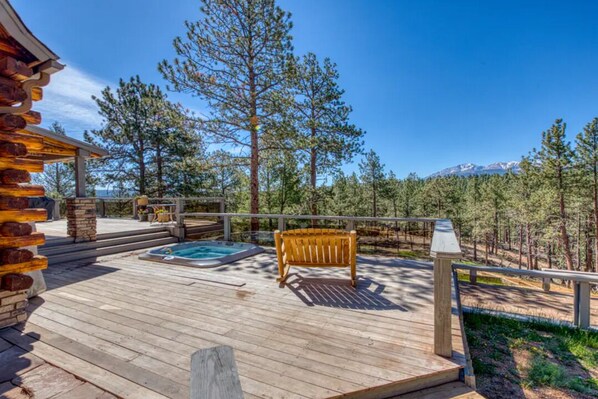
{"x":470,"y":169}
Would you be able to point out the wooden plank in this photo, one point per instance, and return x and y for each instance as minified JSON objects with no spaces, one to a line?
{"x":14,"y":69}
{"x":12,"y":122}
{"x":214,"y":374}
{"x":23,"y":215}
{"x":37,"y":263}
{"x":22,"y":190}
{"x":153,"y":382}
{"x":22,"y":241}
{"x":444,"y":240}
{"x":321,"y":349}
{"x":88,"y":371}
{"x":32,"y":117}
{"x":33,"y":143}
{"x":401,"y":352}
{"x":30,"y":165}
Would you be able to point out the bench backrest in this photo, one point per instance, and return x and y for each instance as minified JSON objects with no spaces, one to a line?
{"x":317,"y":247}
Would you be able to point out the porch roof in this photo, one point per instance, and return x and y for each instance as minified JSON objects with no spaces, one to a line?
{"x":60,"y":148}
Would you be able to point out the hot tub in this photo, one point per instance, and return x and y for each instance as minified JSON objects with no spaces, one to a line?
{"x":202,"y":253}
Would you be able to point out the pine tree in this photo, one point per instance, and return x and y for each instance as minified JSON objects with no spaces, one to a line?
{"x":554,"y":159}
{"x":141,"y":131}
{"x":373,"y":177}
{"x":234,"y":58}
{"x":321,"y":119}
{"x":586,"y":158}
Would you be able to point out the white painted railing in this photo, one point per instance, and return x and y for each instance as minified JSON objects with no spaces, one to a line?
{"x":581,"y":285}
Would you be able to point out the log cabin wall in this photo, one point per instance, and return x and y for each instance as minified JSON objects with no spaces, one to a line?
{"x":25,"y":66}
{"x":16,"y":219}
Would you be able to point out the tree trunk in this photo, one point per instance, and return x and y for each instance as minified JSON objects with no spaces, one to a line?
{"x":475,"y":250}
{"x":487,"y":249}
{"x":520,"y":246}
{"x":595,"y":218}
{"x":563,"y":227}
{"x":375,"y":198}
{"x":159,"y":170}
{"x":528,"y":239}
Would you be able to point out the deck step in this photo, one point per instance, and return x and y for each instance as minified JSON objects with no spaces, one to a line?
{"x":91,"y":250}
{"x":128,"y":233}
{"x":451,"y":390}
{"x":115,"y":249}
{"x":101,"y":243}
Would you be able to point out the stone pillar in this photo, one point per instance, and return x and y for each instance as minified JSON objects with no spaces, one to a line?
{"x":81,"y":219}
{"x":12,"y":307}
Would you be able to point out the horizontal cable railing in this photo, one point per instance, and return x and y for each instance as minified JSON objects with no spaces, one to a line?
{"x":581,"y":285}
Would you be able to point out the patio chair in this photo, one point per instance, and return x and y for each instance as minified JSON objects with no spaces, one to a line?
{"x":316,"y":248}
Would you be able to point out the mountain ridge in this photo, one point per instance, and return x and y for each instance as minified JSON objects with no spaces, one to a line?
{"x":471,"y":169}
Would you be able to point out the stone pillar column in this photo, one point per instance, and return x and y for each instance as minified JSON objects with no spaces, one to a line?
{"x":81,"y":219}
{"x":12,"y":306}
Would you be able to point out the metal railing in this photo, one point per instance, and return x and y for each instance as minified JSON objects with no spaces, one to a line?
{"x":581,"y":285}
{"x":126,"y":207}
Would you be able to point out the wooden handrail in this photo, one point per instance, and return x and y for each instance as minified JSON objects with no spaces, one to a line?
{"x":581,"y":285}
{"x":562,"y":274}
{"x":308,"y":217}
{"x":444,"y":241}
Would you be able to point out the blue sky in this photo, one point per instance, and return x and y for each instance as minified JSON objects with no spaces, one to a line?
{"x":434,"y":83}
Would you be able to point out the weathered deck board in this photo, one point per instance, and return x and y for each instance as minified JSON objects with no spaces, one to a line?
{"x":316,"y":337}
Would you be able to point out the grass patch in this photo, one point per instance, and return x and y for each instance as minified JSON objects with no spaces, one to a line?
{"x":481,"y":279}
{"x":513,"y":358}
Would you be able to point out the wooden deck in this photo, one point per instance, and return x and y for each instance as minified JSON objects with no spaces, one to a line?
{"x":57,"y":229}
{"x":130,"y":327}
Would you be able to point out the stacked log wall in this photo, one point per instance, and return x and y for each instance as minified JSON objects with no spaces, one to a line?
{"x":16,"y":219}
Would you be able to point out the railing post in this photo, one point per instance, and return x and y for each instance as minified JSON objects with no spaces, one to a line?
{"x":179,"y":206}
{"x":56,"y":215}
{"x":281,"y":224}
{"x":445,"y":247}
{"x":473,"y":276}
{"x":350,"y":226}
{"x":581,"y":304}
{"x":135,"y":209}
{"x":546,"y":284}
{"x":222,"y":205}
{"x":442,"y":307}
{"x":226,"y":220}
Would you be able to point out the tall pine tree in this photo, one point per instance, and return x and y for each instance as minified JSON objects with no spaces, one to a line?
{"x":234,"y":57}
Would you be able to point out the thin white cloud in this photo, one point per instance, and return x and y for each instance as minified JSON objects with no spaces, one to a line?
{"x":67,"y":99}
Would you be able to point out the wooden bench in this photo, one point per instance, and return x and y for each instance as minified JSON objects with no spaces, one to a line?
{"x":316,"y":248}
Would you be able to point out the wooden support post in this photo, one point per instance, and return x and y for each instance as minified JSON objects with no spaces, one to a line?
{"x":473,"y":276}
{"x":222,"y":205}
{"x":442,"y":307}
{"x":179,"y":206}
{"x":581,"y":304}
{"x":214,"y":374}
{"x":80,"y":173}
{"x":226,"y":220}
{"x":546,"y":284}
{"x":350,"y":226}
{"x":57,"y":210}
{"x":281,"y":224}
